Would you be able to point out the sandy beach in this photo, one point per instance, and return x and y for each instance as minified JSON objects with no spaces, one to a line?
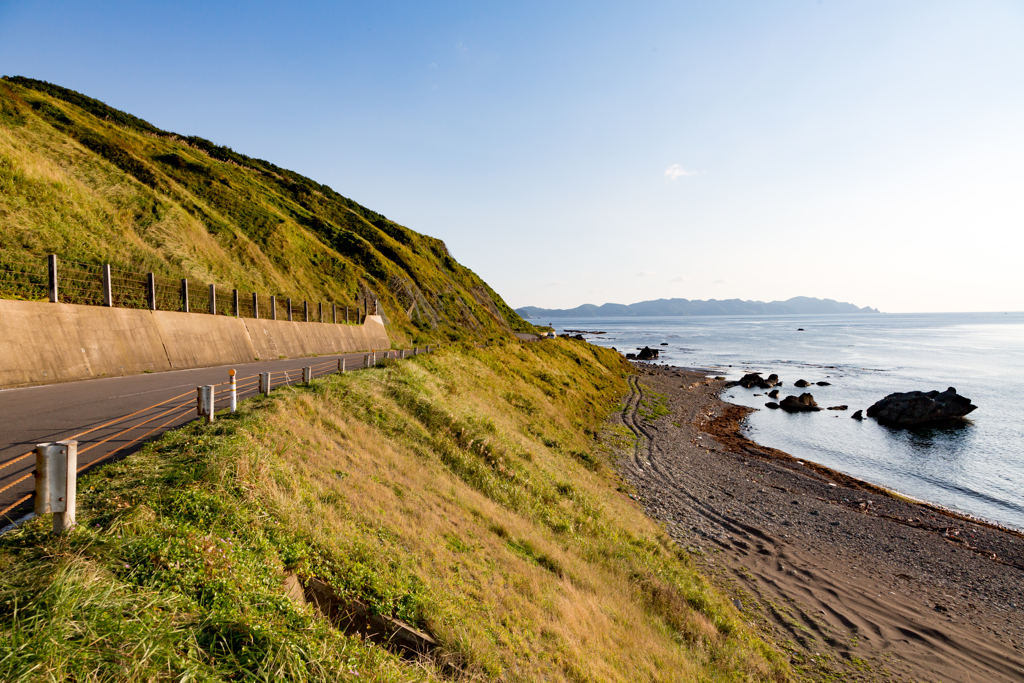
{"x":846,"y":578}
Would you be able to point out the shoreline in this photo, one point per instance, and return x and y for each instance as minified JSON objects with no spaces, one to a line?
{"x":736,"y":431}
{"x":842,"y":575}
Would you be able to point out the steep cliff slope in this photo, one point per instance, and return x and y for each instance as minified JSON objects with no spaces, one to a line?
{"x":96,"y":185}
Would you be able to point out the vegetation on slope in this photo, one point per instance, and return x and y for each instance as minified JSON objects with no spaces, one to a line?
{"x":96,"y":185}
{"x":467,"y":492}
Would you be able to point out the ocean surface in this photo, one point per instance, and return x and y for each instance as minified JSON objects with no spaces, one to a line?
{"x":976,"y":467}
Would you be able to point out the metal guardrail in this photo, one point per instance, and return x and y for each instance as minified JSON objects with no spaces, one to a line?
{"x":34,"y":279}
{"x":178,"y":407}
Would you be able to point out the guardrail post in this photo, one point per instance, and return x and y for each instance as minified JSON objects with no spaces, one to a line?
{"x":213,"y":299}
{"x":51,"y":262}
{"x":234,"y":302}
{"x":233,"y":395}
{"x":56,"y":482}
{"x":334,"y":313}
{"x":289,"y":309}
{"x":265,"y":383}
{"x":366,"y":361}
{"x":255,"y":306}
{"x":151,"y":290}
{"x":273,"y":307}
{"x":204,"y":402}
{"x":307,"y":375}
{"x":305,"y":311}
{"x":403,"y":354}
{"x":184,"y":295}
{"x":341,"y":365}
{"x":108,"y":290}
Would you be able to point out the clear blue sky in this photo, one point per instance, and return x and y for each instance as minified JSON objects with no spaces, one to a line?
{"x":589,"y":152}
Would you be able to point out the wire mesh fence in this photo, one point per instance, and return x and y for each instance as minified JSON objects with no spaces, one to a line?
{"x":22,"y":277}
{"x":33,"y":278}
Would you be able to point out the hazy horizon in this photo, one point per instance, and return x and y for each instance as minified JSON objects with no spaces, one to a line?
{"x":862,"y":152}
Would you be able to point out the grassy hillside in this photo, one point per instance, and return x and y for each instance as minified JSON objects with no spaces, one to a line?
{"x":468,"y":492}
{"x":96,"y":185}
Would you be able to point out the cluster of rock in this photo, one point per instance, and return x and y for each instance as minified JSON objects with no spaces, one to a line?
{"x":900,"y":409}
{"x":919,"y":407}
{"x":646,"y":353}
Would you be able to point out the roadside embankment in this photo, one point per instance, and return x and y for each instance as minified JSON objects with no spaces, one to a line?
{"x":848,"y":579}
{"x":464,"y":492}
{"x":48,"y":342}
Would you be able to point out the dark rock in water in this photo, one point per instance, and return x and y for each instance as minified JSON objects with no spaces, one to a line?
{"x":859,"y":415}
{"x":630,"y":356}
{"x":838,"y":407}
{"x":824,"y":384}
{"x":664,"y":343}
{"x":799,"y":329}
{"x":805,"y":403}
{"x":919,"y":407}
{"x":772,"y":404}
{"x":754,"y":379}
{"x":774,"y":393}
{"x":801,"y":383}
{"x":647,"y":353}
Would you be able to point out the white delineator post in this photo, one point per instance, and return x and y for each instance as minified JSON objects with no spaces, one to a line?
{"x":56,"y":479}
{"x":204,"y":402}
{"x":233,"y":390}
{"x":265,"y":383}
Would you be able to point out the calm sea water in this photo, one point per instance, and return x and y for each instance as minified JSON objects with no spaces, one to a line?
{"x":977,"y":467}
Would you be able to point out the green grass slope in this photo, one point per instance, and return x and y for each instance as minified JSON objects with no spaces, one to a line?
{"x":469,"y":492}
{"x":96,"y":185}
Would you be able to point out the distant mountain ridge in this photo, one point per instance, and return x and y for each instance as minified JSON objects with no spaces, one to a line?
{"x":798,"y":305}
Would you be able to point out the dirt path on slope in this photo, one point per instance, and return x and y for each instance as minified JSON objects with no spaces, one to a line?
{"x":843,"y":577}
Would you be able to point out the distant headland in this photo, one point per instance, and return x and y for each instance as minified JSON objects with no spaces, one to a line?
{"x":798,"y":305}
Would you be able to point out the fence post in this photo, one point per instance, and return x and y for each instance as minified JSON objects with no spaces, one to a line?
{"x":320,"y":310}
{"x":213,"y":299}
{"x":307,"y":375}
{"x":346,"y":315}
{"x":265,"y":383}
{"x":233,"y":396}
{"x":334,"y":313}
{"x":108,"y":291}
{"x":255,"y":306}
{"x":341,"y":365}
{"x":184,"y":295}
{"x":204,"y":402}
{"x":305,"y":311}
{"x":151,"y":290}
{"x":234,"y":302}
{"x":273,"y":307}
{"x":289,"y":309}
{"x":56,"y":482}
{"x":51,"y":261}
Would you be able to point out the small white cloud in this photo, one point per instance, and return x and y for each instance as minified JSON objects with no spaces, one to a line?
{"x":433,"y":65}
{"x":720,"y":282}
{"x":646,"y":273}
{"x":678,"y":280}
{"x":676,"y":171}
{"x":460,"y":47}
{"x":556,"y":283}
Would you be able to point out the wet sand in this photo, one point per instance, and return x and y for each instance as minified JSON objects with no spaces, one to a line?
{"x":848,"y":580}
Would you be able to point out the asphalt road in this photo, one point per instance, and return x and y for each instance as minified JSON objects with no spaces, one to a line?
{"x":111,"y":417}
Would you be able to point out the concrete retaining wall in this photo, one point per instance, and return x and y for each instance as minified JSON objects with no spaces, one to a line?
{"x":42,"y":343}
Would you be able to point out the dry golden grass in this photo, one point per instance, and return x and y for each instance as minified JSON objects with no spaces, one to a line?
{"x":597,"y":608}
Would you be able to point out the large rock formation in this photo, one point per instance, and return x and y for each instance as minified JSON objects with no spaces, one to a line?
{"x":805,"y":403}
{"x":919,"y":407}
{"x":647,"y":353}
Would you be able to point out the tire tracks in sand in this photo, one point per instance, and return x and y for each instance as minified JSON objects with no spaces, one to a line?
{"x":829,"y":603}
